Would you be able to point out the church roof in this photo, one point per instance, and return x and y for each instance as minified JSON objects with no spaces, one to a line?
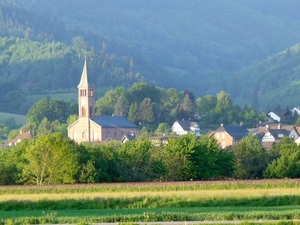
{"x":84,"y":82}
{"x":113,"y":121}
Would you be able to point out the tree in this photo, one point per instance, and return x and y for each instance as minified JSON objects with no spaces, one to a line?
{"x":13,"y":100}
{"x":45,"y":127}
{"x":187,"y":157}
{"x":51,"y":109}
{"x":187,"y":108}
{"x":163,"y":129}
{"x":120,"y":107}
{"x":251,"y":158}
{"x":223,"y":100}
{"x":287,"y":163}
{"x":133,"y":114}
{"x":136,"y":162}
{"x":206,"y":104}
{"x":79,"y":45}
{"x":51,"y":159}
{"x":146,"y":113}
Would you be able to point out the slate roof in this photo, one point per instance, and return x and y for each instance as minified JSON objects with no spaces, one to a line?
{"x":113,"y":121}
{"x":276,"y":133}
{"x":237,"y":132}
{"x":186,"y":124}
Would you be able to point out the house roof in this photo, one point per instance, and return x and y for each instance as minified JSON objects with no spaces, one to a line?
{"x":113,"y":121}
{"x":186,"y":124}
{"x":275,"y":132}
{"x":237,"y":132}
{"x":278,"y":112}
{"x":25,"y":135}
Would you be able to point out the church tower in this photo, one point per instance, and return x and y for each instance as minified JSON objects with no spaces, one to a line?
{"x":86,"y":98}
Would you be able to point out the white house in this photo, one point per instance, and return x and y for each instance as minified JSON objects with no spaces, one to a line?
{"x":181,"y":127}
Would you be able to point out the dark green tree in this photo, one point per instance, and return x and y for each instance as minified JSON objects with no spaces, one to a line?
{"x":137,"y":162}
{"x":251,"y":158}
{"x":51,"y":109}
{"x":188,"y":157}
{"x":287,"y":162}
{"x":133,"y":114}
{"x":146,"y":113}
{"x":120,"y":107}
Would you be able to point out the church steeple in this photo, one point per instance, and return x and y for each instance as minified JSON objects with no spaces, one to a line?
{"x":86,"y":99}
{"x":84,"y":77}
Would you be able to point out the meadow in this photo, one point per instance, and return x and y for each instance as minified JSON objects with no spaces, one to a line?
{"x":19,"y":119}
{"x":218,"y":201}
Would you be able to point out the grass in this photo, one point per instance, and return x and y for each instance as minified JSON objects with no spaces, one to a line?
{"x":129,"y":203}
{"x":188,"y":195}
{"x":72,"y":97}
{"x":19,"y":119}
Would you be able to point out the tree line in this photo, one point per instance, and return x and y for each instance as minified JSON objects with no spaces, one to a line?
{"x":55,"y":159}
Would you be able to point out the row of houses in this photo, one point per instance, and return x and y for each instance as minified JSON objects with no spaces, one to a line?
{"x":268,"y":133}
{"x":92,"y":128}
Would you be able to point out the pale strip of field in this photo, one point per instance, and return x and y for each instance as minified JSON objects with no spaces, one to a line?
{"x":189,"y":195}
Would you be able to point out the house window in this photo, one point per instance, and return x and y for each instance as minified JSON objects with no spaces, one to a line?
{"x":115,"y":135}
{"x":218,"y":136}
{"x":95,"y":135}
{"x":223,"y":135}
{"x":223,"y":144}
{"x":83,"y":134}
{"x":74,"y":136}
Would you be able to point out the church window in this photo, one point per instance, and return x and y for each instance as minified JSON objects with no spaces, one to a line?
{"x":91,"y":93}
{"x":83,"y":134}
{"x":82,"y":111}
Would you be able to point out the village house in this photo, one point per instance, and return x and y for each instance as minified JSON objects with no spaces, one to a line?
{"x":272,"y":134}
{"x":18,"y":139}
{"x":92,"y":128}
{"x":228,"y":135}
{"x":181,"y":127}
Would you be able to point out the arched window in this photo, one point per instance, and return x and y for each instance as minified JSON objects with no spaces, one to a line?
{"x":83,"y":134}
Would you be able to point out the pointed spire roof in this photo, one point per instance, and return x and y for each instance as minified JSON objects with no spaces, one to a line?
{"x":84,"y":77}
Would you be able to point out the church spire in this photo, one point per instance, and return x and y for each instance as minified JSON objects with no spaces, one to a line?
{"x":84,"y":77}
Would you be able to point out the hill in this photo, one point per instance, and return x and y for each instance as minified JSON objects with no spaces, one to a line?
{"x":273,"y":80}
{"x":205,"y":46}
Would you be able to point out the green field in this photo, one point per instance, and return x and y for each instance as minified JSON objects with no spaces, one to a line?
{"x":19,"y":119}
{"x":72,"y":97}
{"x":151,"y":202}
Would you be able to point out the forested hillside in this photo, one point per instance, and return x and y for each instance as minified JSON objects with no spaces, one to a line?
{"x":276,"y":79}
{"x":203,"y":46}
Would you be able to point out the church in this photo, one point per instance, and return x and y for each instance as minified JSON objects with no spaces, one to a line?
{"x":91,"y":128}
